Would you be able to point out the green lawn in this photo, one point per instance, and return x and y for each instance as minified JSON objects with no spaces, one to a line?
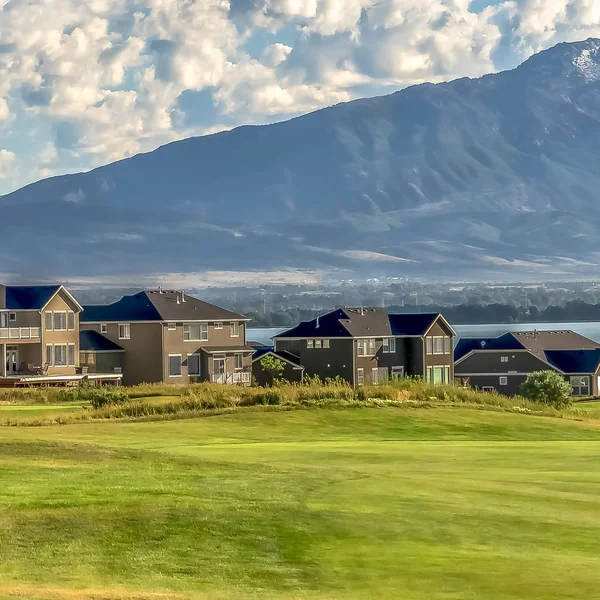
{"x":30,"y":411}
{"x":427,"y":504}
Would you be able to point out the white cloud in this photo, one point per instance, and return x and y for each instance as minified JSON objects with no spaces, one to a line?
{"x":7,"y":160}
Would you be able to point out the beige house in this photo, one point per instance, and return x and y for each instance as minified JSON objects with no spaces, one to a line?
{"x":166,"y":336}
{"x":39,"y":332}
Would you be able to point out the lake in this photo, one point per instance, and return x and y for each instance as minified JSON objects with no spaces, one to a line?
{"x":489,"y":330}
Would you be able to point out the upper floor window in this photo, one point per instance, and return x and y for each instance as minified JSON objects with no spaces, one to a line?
{"x":366,"y":347}
{"x":234,"y":329}
{"x":48,"y":321}
{"x":504,"y":359}
{"x":310,"y":344}
{"x":124,"y":331}
{"x":219,"y":325}
{"x":389,"y":345}
{"x":438,"y":344}
{"x":4,"y":319}
{"x":317,"y":344}
{"x":172,"y":326}
{"x":60,"y":321}
{"x":104,"y":328}
{"x":71,"y":321}
{"x":195,"y":332}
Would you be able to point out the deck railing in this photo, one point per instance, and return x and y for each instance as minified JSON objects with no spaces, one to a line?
{"x":19,"y":333}
{"x":237,"y":378}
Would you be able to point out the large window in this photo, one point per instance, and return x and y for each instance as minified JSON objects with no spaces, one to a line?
{"x":195,"y":332}
{"x":60,"y":355}
{"x":366,"y":347}
{"x":380,"y":375}
{"x":439,"y":374}
{"x":174,"y":365}
{"x":194,"y":364}
{"x":438,"y":345}
{"x":389,"y":346}
{"x":124,"y":331}
{"x":60,"y":321}
{"x":234,"y":329}
{"x":580,"y":385}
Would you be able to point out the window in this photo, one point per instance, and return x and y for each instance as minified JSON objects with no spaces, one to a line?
{"x":504,"y":359}
{"x":174,"y":365}
{"x":429,"y":376}
{"x":397,"y":372}
{"x":580,"y":385}
{"x":12,"y":316}
{"x":194,"y":364}
{"x":318,"y":343}
{"x":310,"y":344}
{"x":60,"y":321}
{"x":172,"y":326}
{"x":429,"y":344}
{"x":71,"y":321}
{"x":124,"y":331}
{"x":379,"y":375}
{"x":438,"y":345}
{"x":60,"y":355}
{"x":438,"y":375}
{"x":447,"y":374}
{"x":71,"y":355}
{"x":389,"y":346}
{"x":503,"y":380}
{"x":360,"y":379}
{"x":104,"y":328}
{"x":48,"y":321}
{"x":325,"y":343}
{"x":234,"y":329}
{"x":488,"y":388}
{"x":218,"y":325}
{"x":49,"y":360}
{"x":366,"y":347}
{"x":3,"y":319}
{"x":195,"y":332}
{"x":239,"y":361}
{"x":447,"y":345}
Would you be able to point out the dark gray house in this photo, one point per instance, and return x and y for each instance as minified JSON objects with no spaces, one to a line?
{"x":293,"y":371}
{"x":502,"y":364}
{"x":368,"y":345}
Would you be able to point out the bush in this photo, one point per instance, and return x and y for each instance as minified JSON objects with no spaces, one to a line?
{"x":98,"y":397}
{"x":549,"y":388}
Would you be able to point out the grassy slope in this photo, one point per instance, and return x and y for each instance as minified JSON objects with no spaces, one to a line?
{"x":441,"y":503}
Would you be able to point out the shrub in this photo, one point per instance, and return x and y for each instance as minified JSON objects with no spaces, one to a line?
{"x":549,"y":388}
{"x":269,"y":398}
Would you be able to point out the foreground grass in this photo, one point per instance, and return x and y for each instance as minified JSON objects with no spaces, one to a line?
{"x":438,"y":503}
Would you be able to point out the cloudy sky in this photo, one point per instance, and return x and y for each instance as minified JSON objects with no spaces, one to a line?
{"x":85,"y":82}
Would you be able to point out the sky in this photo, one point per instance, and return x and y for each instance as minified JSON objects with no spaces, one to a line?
{"x":87,"y":82}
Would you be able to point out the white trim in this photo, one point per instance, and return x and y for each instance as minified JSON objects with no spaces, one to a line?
{"x":169,"y":356}
{"x":499,"y":374}
{"x":74,"y":355}
{"x":128,"y":325}
{"x":10,"y":314}
{"x":60,"y":312}
{"x":171,"y":326}
{"x":66,"y":291}
{"x":289,"y":362}
{"x":103,"y":328}
{"x":440,"y":316}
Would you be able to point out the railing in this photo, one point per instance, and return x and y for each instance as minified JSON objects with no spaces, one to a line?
{"x":19,"y":333}
{"x":231,"y":378}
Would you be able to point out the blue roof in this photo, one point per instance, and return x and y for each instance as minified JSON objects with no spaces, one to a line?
{"x":129,"y":308}
{"x":574,"y":361}
{"x":93,"y":341}
{"x":504,"y":342}
{"x":34,"y":297}
{"x":326,"y":326}
{"x":412,"y":324}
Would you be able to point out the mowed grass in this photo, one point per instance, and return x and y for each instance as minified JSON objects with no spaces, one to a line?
{"x":441,"y":503}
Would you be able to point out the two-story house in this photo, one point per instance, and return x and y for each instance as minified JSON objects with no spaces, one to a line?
{"x":39,"y":332}
{"x":503,"y":364}
{"x":368,"y":345}
{"x":166,"y":336}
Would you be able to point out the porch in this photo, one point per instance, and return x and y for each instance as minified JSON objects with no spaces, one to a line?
{"x":30,"y":381}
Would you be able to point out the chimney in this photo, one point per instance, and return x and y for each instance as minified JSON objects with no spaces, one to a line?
{"x":362,"y":311}
{"x":160,"y":289}
{"x":177,"y":298}
{"x":318,"y":322}
{"x":183,"y":295}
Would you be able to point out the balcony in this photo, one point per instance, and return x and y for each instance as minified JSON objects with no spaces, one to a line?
{"x":238,"y":378}
{"x":19,"y":333}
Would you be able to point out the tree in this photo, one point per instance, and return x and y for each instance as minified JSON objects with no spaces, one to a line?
{"x":548,"y":387}
{"x":273,"y":366}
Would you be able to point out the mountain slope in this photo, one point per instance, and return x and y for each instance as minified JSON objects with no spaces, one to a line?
{"x":471,"y":176}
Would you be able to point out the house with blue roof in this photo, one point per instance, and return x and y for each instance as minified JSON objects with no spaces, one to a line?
{"x":503,"y":364}
{"x":370,"y":346}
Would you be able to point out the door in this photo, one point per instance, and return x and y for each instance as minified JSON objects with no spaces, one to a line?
{"x":12,"y":360}
{"x":218,"y":370}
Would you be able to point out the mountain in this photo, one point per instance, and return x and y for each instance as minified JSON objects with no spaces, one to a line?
{"x":477,"y":177}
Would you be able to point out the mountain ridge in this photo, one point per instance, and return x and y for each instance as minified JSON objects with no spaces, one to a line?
{"x":479,"y":175}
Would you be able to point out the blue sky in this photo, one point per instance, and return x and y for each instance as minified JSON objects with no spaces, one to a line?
{"x":83,"y":83}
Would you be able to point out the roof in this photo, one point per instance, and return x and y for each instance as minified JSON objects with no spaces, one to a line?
{"x":157,"y":306}
{"x":33,"y":297}
{"x":282,"y":354}
{"x":536,"y":342}
{"x":93,"y":341}
{"x":363,"y":322}
{"x":574,"y":361}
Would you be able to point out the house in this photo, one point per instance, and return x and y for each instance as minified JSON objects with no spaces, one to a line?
{"x":368,"y":345}
{"x":293,"y":371}
{"x":502,"y":364}
{"x":166,"y":336}
{"x":39,"y":336}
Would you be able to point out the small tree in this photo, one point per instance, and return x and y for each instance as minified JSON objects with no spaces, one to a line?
{"x":273,"y":366}
{"x":547,"y":387}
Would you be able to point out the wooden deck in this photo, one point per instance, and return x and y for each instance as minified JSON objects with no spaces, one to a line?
{"x":20,"y":381}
